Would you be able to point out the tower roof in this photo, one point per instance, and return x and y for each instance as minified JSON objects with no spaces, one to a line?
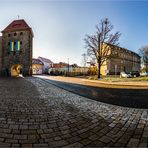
{"x":17,"y":25}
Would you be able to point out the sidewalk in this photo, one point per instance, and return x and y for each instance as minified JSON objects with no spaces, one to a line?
{"x":135,"y":83}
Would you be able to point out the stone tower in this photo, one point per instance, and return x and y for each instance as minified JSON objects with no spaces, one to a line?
{"x":16,"y":50}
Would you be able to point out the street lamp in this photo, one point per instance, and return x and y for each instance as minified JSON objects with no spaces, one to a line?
{"x":68,"y":68}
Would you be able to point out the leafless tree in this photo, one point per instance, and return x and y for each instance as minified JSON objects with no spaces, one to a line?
{"x":143,"y":51}
{"x":97,"y":44}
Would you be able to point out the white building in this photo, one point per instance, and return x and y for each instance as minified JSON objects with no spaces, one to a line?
{"x":47,"y":64}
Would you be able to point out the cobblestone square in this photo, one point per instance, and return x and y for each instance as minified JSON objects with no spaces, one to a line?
{"x":34,"y":113}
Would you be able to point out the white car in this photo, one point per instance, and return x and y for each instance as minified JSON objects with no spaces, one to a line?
{"x":144,"y":74}
{"x":125,"y":75}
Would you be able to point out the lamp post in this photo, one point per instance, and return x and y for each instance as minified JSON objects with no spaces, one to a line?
{"x":115,"y":69}
{"x":85,"y":61}
{"x":68,"y":68}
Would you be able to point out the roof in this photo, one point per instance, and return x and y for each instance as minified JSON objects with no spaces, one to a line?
{"x":37,"y":61}
{"x":59,"y":65}
{"x":45,"y":60}
{"x":17,"y":25}
{"x":124,"y":49}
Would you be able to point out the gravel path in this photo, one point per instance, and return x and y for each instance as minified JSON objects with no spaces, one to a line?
{"x":34,"y":113}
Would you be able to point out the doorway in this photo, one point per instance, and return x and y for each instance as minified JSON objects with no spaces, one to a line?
{"x":16,"y":70}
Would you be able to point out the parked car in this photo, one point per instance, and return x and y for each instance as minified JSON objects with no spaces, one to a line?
{"x":144,"y":74}
{"x":134,"y":73}
{"x":125,"y":75}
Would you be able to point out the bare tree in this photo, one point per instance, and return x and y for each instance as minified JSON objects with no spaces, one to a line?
{"x":143,"y":51}
{"x":97,"y":44}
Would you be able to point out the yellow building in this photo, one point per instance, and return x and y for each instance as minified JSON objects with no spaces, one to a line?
{"x":120,"y":59}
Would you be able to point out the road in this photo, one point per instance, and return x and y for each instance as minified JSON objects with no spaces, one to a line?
{"x":127,"y":96}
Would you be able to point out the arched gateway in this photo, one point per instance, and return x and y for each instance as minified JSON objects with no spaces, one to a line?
{"x":16,"y":70}
{"x":16,"y":50}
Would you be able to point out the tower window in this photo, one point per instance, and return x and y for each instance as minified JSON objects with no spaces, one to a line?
{"x":11,"y":46}
{"x":21,"y":33}
{"x":17,"y":46}
{"x":15,"y":34}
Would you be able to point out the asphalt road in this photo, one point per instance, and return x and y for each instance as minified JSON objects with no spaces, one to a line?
{"x":135,"y":98}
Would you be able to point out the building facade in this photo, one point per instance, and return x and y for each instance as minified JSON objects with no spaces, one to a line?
{"x":62,"y":68}
{"x":16,"y":50}
{"x":47,"y":64}
{"x":120,"y":59}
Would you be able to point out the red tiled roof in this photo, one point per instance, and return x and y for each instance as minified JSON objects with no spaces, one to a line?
{"x":17,"y":25}
{"x":36,"y":61}
{"x":60,"y":65}
{"x":57,"y":65}
{"x":45,"y":60}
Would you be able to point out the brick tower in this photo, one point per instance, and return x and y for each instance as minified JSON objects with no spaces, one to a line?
{"x":16,"y":50}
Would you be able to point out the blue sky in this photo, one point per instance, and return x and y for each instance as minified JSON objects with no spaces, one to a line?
{"x":60,"y":26}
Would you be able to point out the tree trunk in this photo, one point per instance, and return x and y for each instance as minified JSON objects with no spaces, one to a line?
{"x":99,"y":69}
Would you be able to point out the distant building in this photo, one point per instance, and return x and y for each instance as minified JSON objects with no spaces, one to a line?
{"x":16,"y":49}
{"x":47,"y":64}
{"x":58,"y":68}
{"x":62,"y":68}
{"x":37,"y":66}
{"x":120,"y":59}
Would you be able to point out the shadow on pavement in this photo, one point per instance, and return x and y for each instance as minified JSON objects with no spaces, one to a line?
{"x":135,"y":98}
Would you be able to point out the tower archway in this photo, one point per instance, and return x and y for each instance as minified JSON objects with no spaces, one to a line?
{"x":16,"y":70}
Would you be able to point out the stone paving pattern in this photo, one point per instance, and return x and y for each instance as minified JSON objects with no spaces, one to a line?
{"x":34,"y":113}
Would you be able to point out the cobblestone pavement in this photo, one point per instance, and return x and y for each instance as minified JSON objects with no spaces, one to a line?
{"x":34,"y":113}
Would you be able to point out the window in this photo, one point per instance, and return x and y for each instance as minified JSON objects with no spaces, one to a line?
{"x":9,"y":35}
{"x":11,"y":46}
{"x":15,"y":34}
{"x":21,"y":33}
{"x":17,"y":46}
{"x":8,"y":43}
{"x":21,"y":42}
{"x":14,"y":46}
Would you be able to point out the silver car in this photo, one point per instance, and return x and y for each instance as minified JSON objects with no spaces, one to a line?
{"x":144,"y":74}
{"x":125,"y":75}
